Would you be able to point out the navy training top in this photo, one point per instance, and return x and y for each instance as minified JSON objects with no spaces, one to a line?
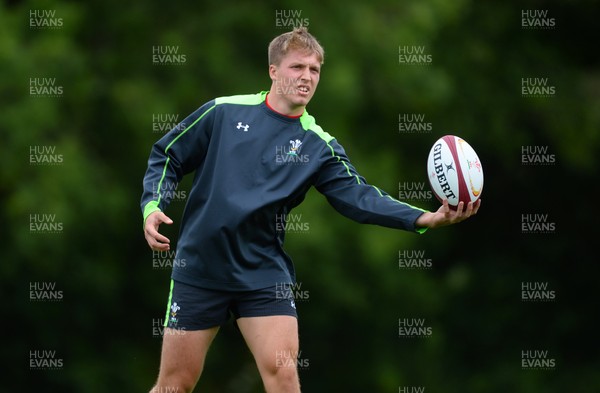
{"x":253,"y":166}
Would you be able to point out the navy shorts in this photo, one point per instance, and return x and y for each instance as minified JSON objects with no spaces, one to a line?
{"x":194,"y":308}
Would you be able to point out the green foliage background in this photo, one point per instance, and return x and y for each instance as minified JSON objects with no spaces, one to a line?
{"x":102,"y":126}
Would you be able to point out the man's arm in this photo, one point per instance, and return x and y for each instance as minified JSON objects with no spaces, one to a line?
{"x":352,"y":196}
{"x":179,"y":152}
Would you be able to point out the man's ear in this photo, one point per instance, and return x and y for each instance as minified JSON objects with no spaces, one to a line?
{"x":273,"y":72}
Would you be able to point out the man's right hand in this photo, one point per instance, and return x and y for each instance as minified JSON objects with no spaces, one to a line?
{"x":156,"y":241}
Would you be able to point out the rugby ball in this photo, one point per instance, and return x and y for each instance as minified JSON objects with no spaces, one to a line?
{"x":455,"y":172}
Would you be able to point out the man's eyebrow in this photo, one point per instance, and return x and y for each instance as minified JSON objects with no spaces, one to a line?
{"x":310,"y":65}
{"x":299,"y":62}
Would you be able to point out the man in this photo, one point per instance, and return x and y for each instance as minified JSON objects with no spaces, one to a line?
{"x":255,"y":157}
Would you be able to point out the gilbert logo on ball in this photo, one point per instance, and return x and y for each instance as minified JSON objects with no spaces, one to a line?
{"x":454,"y":170}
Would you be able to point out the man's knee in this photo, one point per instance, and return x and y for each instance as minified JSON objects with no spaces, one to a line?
{"x":177,"y":380}
{"x":182,"y":360}
{"x":283,"y":377}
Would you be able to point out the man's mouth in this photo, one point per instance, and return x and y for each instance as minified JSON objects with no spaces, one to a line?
{"x":303,"y":90}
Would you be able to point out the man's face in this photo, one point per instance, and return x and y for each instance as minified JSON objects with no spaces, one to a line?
{"x":296,"y":78}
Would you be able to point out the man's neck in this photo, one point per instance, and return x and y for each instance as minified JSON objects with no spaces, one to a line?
{"x":277,"y":104}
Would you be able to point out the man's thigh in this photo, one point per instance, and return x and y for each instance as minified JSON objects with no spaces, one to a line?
{"x":268,"y":321}
{"x":273,"y":340}
{"x":182,"y":358}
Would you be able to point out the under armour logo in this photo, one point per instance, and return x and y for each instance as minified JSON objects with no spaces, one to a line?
{"x":240,"y":125}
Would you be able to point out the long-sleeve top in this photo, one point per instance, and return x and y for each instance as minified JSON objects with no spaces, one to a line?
{"x":252,"y":167}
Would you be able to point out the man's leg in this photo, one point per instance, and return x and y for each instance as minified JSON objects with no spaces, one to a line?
{"x":182,"y":359}
{"x":273,"y":340}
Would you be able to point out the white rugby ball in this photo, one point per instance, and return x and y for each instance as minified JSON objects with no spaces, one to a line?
{"x":455,"y":172}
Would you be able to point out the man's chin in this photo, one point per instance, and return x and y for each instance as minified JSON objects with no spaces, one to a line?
{"x":298,"y":100}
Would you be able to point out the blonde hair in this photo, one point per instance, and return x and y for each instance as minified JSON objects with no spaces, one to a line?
{"x":297,"y":39}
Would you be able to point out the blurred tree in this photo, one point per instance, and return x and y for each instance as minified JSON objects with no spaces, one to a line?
{"x":100,"y":99}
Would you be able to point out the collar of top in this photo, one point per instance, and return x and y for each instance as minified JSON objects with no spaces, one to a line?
{"x":279,"y":113}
